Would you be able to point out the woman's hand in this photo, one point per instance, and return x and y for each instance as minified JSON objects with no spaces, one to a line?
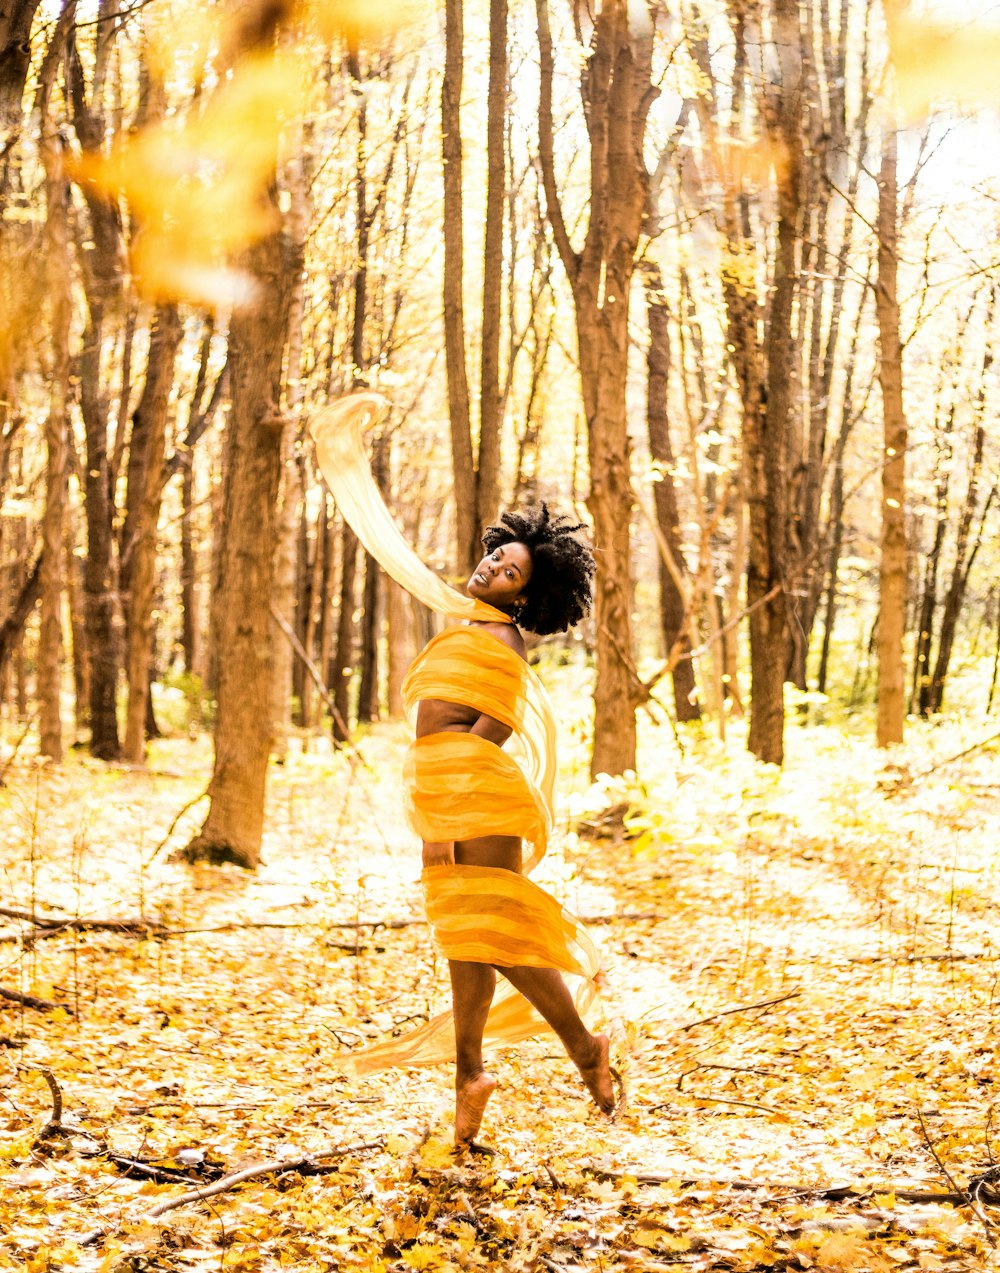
{"x":439,"y":853}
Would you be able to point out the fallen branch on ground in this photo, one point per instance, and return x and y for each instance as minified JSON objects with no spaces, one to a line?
{"x":53,"y":925}
{"x":78,"y":923}
{"x":953,"y":957}
{"x":305,"y":1165}
{"x":31,"y":1001}
{"x":834,"y":1193}
{"x":745,"y":1007}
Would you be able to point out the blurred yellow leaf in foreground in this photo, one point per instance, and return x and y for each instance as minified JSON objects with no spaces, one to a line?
{"x":936,"y":60}
{"x":196,"y":185}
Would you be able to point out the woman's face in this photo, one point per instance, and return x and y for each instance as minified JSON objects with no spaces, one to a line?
{"x":502,"y":576}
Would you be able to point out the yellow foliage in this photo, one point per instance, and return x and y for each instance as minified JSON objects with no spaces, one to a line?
{"x":196,"y":185}
{"x":935,"y":60}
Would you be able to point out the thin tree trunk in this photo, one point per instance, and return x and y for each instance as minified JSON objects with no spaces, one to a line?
{"x":48,"y":683}
{"x":189,"y":571}
{"x":81,"y":663}
{"x":147,"y":452}
{"x":368,"y":687}
{"x":12,"y":627}
{"x":490,"y":397}
{"x":284,"y":599}
{"x":342,"y":669}
{"x":463,"y":469}
{"x":892,"y":568}
{"x":672,"y":606}
{"x":964,"y":555}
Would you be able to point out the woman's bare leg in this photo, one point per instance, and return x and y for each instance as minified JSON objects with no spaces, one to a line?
{"x":546,"y":991}
{"x":472,"y":987}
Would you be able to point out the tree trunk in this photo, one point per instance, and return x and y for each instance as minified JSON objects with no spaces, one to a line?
{"x":101,"y":265}
{"x":463,"y":469}
{"x":81,"y":663}
{"x":16,"y":18}
{"x":617,"y":94}
{"x":49,"y":661}
{"x":99,"y":584}
{"x":147,"y":451}
{"x":673,"y":614}
{"x":243,"y":729}
{"x":342,"y":669}
{"x":286,"y":596}
{"x":892,"y":566}
{"x":770,"y":565}
{"x":189,"y":571}
{"x":964,"y":554}
{"x":368,"y":687}
{"x":12,"y":627}
{"x":490,"y":398}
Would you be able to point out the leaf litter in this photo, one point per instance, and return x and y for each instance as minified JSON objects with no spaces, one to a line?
{"x":808,"y":959}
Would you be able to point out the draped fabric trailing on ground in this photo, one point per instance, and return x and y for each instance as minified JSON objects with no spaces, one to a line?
{"x":458,"y":785}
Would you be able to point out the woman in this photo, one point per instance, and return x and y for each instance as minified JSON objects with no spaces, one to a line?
{"x":483,"y":817}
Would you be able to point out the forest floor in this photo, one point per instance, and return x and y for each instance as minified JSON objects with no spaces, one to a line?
{"x":810,"y":960}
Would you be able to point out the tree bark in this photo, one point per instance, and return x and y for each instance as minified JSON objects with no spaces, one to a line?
{"x":342,"y":669}
{"x":48,"y":683}
{"x":673,"y":614}
{"x":147,"y":452}
{"x":189,"y":571}
{"x":463,"y":469}
{"x":243,"y":731}
{"x":102,"y":284}
{"x":892,"y":567}
{"x":487,"y":475}
{"x":16,"y":18}
{"x":770,"y":562}
{"x":964,"y":552}
{"x":617,"y":94}
{"x":13,"y":625}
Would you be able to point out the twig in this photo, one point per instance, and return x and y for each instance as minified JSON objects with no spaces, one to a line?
{"x":321,"y":685}
{"x":170,"y":830}
{"x":17,"y":747}
{"x":162,"y":1175}
{"x":306,"y":1165}
{"x":970,"y":1201}
{"x":725,"y":1100}
{"x":910,"y":779}
{"x":934,"y":1154}
{"x":746,"y":1007}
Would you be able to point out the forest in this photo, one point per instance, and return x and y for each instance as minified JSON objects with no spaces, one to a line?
{"x":716,"y":279}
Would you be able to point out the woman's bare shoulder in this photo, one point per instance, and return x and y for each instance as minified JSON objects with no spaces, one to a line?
{"x":505,"y":632}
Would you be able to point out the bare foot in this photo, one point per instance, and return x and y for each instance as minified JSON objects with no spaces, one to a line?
{"x":597,"y":1076}
{"x":471,"y":1096}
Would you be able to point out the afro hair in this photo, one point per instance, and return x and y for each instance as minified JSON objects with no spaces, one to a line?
{"x":560,"y":591}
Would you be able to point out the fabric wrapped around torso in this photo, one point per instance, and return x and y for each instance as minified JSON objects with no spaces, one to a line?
{"x":458,"y":785}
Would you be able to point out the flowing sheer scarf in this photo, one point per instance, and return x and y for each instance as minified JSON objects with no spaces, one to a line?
{"x":459,"y":786}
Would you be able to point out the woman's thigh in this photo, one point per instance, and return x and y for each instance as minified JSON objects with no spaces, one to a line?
{"x":503,"y":851}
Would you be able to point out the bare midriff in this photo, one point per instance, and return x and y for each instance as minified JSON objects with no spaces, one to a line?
{"x":438,"y":716}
